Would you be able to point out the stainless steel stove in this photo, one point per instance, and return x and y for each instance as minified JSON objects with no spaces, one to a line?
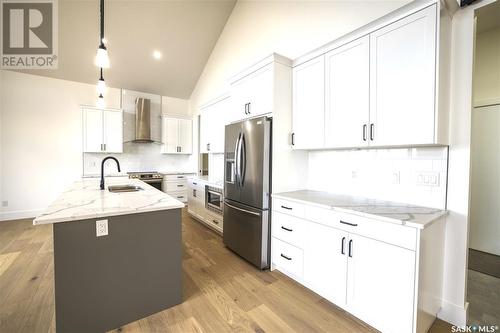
{"x":153,"y":178}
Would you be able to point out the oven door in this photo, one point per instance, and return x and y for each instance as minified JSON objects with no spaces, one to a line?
{"x":156,"y":183}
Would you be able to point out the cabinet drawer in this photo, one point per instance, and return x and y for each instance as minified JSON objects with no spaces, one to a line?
{"x":176,"y":186}
{"x":288,"y":228}
{"x":175,"y":177}
{"x":215,"y":220}
{"x":288,"y":207}
{"x":288,"y":259}
{"x":388,"y":232}
{"x":181,"y":196}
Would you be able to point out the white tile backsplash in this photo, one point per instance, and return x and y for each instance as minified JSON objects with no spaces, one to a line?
{"x":387,"y":174}
{"x":139,"y":157}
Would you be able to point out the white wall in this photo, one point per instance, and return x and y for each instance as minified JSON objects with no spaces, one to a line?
{"x":256,"y":29}
{"x":484,"y":232}
{"x":487,"y":68}
{"x":387,"y":174}
{"x":41,"y":138}
{"x":1,"y":135}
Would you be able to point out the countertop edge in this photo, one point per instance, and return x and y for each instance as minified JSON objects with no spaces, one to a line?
{"x":410,"y":224}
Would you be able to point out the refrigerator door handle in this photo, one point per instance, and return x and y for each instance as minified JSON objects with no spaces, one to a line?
{"x":243,"y":152}
{"x":241,"y":209}
{"x":236,"y":160}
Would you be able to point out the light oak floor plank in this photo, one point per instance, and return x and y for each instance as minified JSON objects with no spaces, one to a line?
{"x":222,"y":292}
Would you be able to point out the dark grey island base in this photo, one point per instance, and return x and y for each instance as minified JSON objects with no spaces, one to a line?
{"x":102,"y":283}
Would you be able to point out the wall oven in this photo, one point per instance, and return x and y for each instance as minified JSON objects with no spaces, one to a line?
{"x":213,"y":199}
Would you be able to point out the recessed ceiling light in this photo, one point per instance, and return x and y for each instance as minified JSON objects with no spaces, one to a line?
{"x":157,"y":54}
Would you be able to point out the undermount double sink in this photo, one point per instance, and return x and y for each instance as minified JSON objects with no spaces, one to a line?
{"x":124,"y":188}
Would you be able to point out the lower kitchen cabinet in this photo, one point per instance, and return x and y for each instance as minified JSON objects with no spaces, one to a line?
{"x":176,"y":185}
{"x":196,"y":205}
{"x":388,"y":275}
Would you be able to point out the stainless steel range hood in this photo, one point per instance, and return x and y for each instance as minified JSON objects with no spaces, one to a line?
{"x":142,"y":120}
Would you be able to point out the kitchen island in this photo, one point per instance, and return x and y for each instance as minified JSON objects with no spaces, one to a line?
{"x":117,"y":256}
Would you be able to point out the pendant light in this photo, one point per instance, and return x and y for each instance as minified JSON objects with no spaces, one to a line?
{"x":102,"y":59}
{"x":100,"y":102}
{"x":101,"y":85}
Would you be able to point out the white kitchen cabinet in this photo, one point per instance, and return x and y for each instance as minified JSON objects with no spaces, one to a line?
{"x":177,"y":135}
{"x":380,"y":89}
{"x":254,"y":90}
{"x":403,"y":81}
{"x":381,"y":284}
{"x":386,"y":274}
{"x":212,"y":125}
{"x":102,"y":130}
{"x":309,"y":104}
{"x":325,"y":262}
{"x":176,"y":185}
{"x":347,"y":95}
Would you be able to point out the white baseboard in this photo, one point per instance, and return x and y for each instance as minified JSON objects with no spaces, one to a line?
{"x":20,"y":214}
{"x":454,"y":314}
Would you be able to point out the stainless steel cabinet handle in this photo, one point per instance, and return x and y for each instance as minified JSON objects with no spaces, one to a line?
{"x":285,"y":207}
{"x":249,"y":108}
{"x":179,"y":197}
{"x":293,"y":139}
{"x":104,"y":146}
{"x":195,"y":183}
{"x":284,"y":256}
{"x":215,"y":221}
{"x":241,"y":209}
{"x":284,"y":228}
{"x":348,"y":223}
{"x":372,"y":131}
{"x":180,"y":185}
{"x":364,"y":132}
{"x":342,"y":246}
{"x":350,"y":248}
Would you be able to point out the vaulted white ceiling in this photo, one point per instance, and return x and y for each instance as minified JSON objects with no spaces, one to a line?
{"x":184,"y":31}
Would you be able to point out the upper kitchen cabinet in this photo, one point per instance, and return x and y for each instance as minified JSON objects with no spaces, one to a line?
{"x":347,"y":94}
{"x":309,"y":104}
{"x":177,"y":135}
{"x":383,"y":85}
{"x":403,"y":81}
{"x":213,"y":117}
{"x":102,"y":130}
{"x":253,"y":91}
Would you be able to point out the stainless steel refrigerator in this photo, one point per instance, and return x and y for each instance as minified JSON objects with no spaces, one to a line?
{"x":247,"y":187}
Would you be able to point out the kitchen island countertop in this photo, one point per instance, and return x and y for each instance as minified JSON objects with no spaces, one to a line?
{"x":84,"y":199}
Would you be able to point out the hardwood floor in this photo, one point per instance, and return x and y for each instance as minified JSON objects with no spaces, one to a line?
{"x":222,"y":293}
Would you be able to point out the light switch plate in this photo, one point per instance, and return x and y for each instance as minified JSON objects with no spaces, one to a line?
{"x":428,"y":178}
{"x":101,"y":228}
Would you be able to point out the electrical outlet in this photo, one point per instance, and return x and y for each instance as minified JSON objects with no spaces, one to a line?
{"x":5,"y":203}
{"x":101,"y":228}
{"x":428,"y":178}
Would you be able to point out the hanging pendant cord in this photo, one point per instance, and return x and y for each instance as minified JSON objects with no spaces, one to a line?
{"x":102,"y":22}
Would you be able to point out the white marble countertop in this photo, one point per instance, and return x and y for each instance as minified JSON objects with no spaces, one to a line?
{"x":177,"y":173}
{"x":215,"y":182}
{"x":394,"y":212}
{"x":84,"y":200}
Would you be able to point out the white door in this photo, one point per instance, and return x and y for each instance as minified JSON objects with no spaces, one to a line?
{"x":261,"y":91}
{"x":92,"y":131}
{"x":380,"y":284}
{"x":170,"y":134}
{"x":347,"y":104}
{"x":325,"y":262}
{"x":185,"y":136}
{"x":403,"y":80}
{"x":113,"y":131}
{"x":205,"y":128}
{"x":309,"y":104}
{"x":240,"y":98}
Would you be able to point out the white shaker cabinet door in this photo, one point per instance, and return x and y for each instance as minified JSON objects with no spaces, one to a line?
{"x":325,"y":261}
{"x":309,"y":104}
{"x":170,"y":135}
{"x":92,"y":131}
{"x":347,"y":104}
{"x":113,"y":131}
{"x":185,"y":127}
{"x":380,"y":284}
{"x":403,"y":81}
